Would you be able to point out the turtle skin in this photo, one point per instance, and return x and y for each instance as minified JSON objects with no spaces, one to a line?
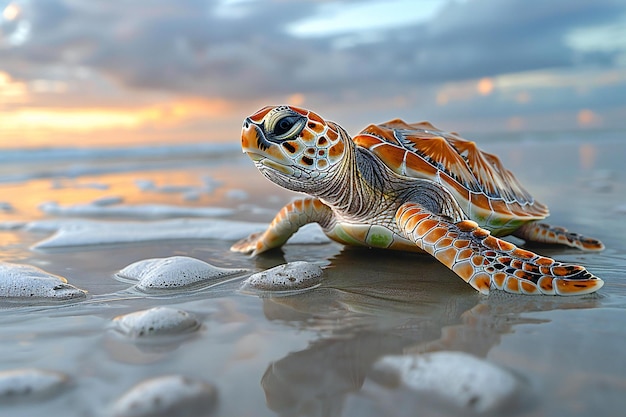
{"x":410,"y":187}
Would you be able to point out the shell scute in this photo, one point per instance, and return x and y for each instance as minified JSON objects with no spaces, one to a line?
{"x":524,"y":254}
{"x":336,"y":150}
{"x":464,"y":269}
{"x":481,"y":282}
{"x":259,"y":115}
{"x":315,"y":117}
{"x":445,"y":242}
{"x":528,"y":287}
{"x":512,"y":285}
{"x":546,"y":285}
{"x":498,"y":279}
{"x":467,"y":225}
{"x":425,"y":226}
{"x":499,"y":205}
{"x":308,"y":136}
{"x":305,"y":112}
{"x":566,"y":286}
{"x":332,"y":135}
{"x":447,"y":256}
{"x":435,"y":234}
{"x":420,"y":150}
{"x":464,"y":254}
{"x":478,"y":260}
{"x":461,"y":243}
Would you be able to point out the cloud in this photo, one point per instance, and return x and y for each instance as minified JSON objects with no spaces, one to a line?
{"x":185,"y":46}
{"x":248,"y":51}
{"x":245,"y":50}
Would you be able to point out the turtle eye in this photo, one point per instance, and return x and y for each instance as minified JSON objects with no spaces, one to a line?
{"x":284,"y":124}
{"x":287,"y":126}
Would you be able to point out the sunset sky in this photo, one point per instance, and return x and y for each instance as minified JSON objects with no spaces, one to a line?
{"x":98,"y":72}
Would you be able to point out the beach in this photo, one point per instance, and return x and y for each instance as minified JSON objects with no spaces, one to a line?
{"x":85,"y":214}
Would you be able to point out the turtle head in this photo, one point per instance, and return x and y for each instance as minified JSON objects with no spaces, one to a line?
{"x":294,"y":147}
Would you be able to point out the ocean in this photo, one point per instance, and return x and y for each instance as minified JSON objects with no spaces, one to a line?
{"x":85,"y":214}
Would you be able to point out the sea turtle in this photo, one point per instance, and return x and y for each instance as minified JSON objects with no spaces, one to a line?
{"x":409,"y":187}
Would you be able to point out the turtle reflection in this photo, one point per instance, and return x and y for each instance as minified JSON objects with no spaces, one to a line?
{"x":361,"y":317}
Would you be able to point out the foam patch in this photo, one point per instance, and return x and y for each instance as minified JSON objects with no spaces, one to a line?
{"x":458,"y":378}
{"x":156,"y":321}
{"x":293,"y":276}
{"x":26,"y":282}
{"x":27,"y":384}
{"x":166,"y":396}
{"x":81,"y":232}
{"x":174,"y":272}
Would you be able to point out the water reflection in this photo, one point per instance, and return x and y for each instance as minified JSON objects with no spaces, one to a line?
{"x":362,"y":316}
{"x":588,"y":155}
{"x":144,"y":350}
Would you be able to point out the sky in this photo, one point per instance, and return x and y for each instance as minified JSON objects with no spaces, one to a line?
{"x":104,"y":72}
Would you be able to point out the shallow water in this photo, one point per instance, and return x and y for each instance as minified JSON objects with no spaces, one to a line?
{"x":310,"y":353}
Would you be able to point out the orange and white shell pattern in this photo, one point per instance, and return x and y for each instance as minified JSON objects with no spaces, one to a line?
{"x":311,"y":147}
{"x":486,"y":191}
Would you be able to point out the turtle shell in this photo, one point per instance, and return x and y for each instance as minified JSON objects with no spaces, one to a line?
{"x":486,"y":191}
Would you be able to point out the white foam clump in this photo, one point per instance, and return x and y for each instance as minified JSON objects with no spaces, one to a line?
{"x":97,"y":209}
{"x":292,"y":276}
{"x":455,"y":377}
{"x":70,"y":233}
{"x":156,"y":321}
{"x":19,"y":282}
{"x":167,"y":396}
{"x":28,"y":383}
{"x":173,"y":272}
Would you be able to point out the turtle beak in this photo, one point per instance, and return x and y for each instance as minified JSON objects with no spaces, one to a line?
{"x":260,"y":150}
{"x":253,"y":142}
{"x":249,"y":135}
{"x":252,"y":138}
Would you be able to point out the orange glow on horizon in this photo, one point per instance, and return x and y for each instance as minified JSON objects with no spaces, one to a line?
{"x":485,"y":86}
{"x":181,"y":119}
{"x":12,"y":91}
{"x":464,"y":90}
{"x":73,"y":119}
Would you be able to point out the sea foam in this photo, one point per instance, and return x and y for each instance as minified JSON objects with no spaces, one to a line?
{"x":26,"y":283}
{"x":72,"y":233}
{"x":174,"y":272}
{"x":144,"y":211}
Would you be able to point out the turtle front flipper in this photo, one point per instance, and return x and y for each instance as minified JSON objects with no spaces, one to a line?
{"x":484,"y":261}
{"x":288,"y":220}
{"x":544,"y":233}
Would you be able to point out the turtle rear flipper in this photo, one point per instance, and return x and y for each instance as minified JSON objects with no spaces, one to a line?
{"x":544,"y":233}
{"x":485,"y":262}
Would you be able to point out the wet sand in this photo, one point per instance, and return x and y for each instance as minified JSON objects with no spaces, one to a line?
{"x":311,"y":353}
